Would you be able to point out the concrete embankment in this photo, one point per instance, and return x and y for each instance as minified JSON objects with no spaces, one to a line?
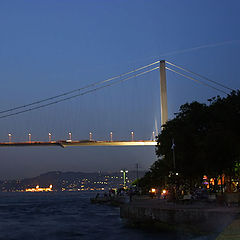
{"x":203,"y":217}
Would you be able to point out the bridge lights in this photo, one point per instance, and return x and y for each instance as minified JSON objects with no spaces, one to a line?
{"x":10,"y":137}
{"x":49,"y":137}
{"x":90,"y":136}
{"x":111,"y":136}
{"x":132,"y":136}
{"x":124,"y":171}
{"x":29,"y":137}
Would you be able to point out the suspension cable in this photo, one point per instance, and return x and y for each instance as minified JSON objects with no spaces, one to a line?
{"x":194,"y":79}
{"x":79,"y":89}
{"x":201,"y":76}
{"x":80,"y":94}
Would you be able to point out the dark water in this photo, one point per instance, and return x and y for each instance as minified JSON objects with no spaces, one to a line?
{"x":62,"y":216}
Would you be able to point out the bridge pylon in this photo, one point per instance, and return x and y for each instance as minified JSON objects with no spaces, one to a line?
{"x":163,"y":93}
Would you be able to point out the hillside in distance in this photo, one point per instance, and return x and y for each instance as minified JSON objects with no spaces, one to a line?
{"x":71,"y":181}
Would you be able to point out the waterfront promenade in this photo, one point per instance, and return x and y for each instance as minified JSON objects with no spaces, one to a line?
{"x":195,"y":216}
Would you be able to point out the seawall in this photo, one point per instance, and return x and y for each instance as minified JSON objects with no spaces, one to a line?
{"x":198,"y":216}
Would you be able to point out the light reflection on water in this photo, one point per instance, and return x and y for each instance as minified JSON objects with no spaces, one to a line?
{"x":68,"y":215}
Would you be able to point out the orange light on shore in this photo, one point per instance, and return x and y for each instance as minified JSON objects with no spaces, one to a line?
{"x":38,"y":189}
{"x":212,"y":181}
{"x":164,"y":191}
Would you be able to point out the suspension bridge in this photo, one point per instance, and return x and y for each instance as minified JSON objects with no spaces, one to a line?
{"x":160,"y":66}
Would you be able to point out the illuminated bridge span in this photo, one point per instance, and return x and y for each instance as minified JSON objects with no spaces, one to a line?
{"x":79,"y":143}
{"x":91,"y":88}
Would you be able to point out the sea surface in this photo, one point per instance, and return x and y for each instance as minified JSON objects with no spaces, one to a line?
{"x":70,"y":215}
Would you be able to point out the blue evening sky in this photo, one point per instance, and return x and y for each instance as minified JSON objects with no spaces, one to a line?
{"x":49,"y":47}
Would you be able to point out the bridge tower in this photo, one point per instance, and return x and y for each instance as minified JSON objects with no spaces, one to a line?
{"x":163,"y":93}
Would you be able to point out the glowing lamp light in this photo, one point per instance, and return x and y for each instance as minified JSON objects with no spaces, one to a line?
{"x":164,"y":191}
{"x":153,"y":190}
{"x":212,"y":181}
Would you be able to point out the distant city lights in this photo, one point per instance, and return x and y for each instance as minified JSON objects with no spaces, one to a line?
{"x":38,"y":189}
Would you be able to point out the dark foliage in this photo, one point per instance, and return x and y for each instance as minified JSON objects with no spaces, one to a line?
{"x":207,"y":141}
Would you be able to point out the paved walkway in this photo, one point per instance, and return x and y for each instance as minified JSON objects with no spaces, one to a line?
{"x":163,"y":204}
{"x":231,"y":232}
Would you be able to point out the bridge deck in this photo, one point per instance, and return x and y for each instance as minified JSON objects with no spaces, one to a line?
{"x":78,"y":143}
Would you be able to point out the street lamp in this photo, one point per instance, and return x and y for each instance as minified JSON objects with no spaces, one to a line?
{"x":124,"y":171}
{"x":49,"y":137}
{"x":111,"y":136}
{"x":70,"y":136}
{"x":132,"y":135}
{"x":29,"y":137}
{"x":90,"y":136}
{"x":153,"y":135}
{"x":10,"y":137}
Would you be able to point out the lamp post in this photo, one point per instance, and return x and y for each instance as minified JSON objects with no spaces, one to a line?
{"x":90,"y":136}
{"x":70,"y":136}
{"x":49,"y":137}
{"x":153,"y":135}
{"x":29,"y":137}
{"x":111,"y":136}
{"x":10,"y":137}
{"x":132,"y":136}
{"x":124,"y":171}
